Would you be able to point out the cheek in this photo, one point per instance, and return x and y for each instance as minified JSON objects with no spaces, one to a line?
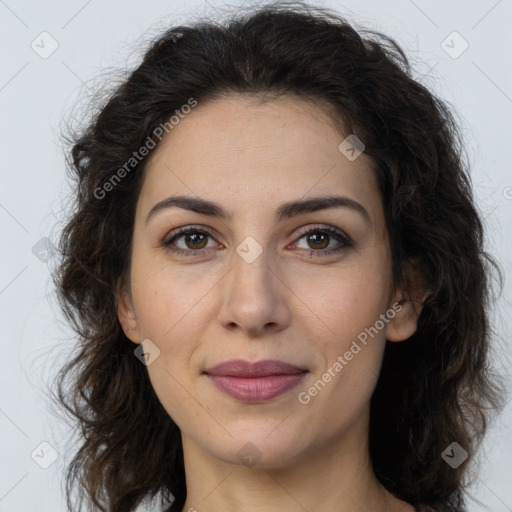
{"x":170,"y":307}
{"x":343,"y":383}
{"x":175,"y":393}
{"x":358,"y":344}
{"x":346,"y":303}
{"x":166,"y":299}
{"x":349,"y":307}
{"x":168,"y":312}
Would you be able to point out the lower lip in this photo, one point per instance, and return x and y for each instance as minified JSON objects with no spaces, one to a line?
{"x":256,"y":389}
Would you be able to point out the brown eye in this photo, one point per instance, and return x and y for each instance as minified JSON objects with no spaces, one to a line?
{"x":320,"y":241}
{"x":319,"y":238}
{"x":194,"y":241}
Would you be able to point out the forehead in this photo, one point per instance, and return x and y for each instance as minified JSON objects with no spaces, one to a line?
{"x":242,"y":151}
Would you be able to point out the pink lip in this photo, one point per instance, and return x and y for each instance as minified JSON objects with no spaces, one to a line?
{"x":255,"y":382}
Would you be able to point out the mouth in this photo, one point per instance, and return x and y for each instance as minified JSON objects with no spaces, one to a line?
{"x":255,"y":382}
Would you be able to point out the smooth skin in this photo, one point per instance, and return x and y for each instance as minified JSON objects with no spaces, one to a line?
{"x":292,"y":303}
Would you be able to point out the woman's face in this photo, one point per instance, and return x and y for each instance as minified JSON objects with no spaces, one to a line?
{"x":253,"y":287}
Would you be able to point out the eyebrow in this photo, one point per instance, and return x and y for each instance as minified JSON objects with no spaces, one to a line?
{"x":286,"y":210}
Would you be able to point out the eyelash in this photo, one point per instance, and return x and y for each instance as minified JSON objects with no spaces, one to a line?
{"x":342,"y":237}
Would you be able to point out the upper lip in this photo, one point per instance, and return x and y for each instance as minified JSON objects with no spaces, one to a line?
{"x":242,"y":368}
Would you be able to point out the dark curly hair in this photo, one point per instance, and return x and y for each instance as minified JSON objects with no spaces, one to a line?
{"x":435,"y":388}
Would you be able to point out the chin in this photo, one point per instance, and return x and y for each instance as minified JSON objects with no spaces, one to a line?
{"x":257,"y":449}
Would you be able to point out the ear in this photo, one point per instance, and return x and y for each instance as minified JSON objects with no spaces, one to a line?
{"x":126,"y":313}
{"x":411,"y":298}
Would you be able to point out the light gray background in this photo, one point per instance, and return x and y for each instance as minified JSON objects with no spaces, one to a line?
{"x":37,"y":93}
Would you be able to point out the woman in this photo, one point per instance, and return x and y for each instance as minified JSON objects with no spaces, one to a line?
{"x":276,"y":270}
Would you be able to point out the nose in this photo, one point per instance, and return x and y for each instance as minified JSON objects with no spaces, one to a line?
{"x":254,"y":297}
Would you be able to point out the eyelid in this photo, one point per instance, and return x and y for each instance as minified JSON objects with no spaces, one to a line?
{"x":322,"y":227}
{"x":177,"y":233}
{"x":186,"y":229}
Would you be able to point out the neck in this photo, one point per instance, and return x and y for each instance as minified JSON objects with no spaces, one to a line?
{"x":337,"y":476}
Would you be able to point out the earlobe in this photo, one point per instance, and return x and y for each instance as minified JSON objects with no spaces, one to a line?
{"x":126,"y":314}
{"x":405,"y":321}
{"x":411,"y":297}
